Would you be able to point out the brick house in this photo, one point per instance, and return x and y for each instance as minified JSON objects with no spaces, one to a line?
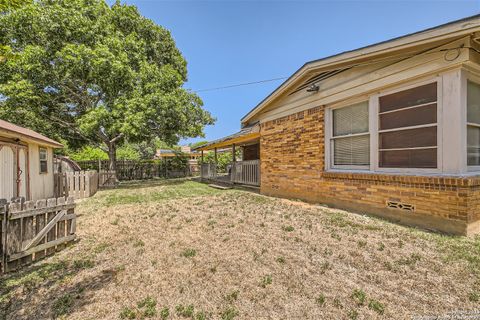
{"x":392,"y":130}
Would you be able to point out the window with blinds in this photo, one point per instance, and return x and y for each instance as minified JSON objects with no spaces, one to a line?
{"x":350,"y":137}
{"x":473,"y":124}
{"x":408,"y":128}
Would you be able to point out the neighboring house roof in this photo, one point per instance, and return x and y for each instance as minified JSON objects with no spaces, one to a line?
{"x":168,"y":151}
{"x":247,"y":133}
{"x":334,"y":64}
{"x":162,"y":151}
{"x":27,"y":133}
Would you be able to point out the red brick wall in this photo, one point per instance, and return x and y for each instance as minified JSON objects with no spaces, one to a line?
{"x":292,"y":165}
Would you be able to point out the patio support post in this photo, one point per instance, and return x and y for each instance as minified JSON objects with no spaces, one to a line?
{"x":202,"y":156}
{"x":234,"y":159}
{"x":216,"y":163}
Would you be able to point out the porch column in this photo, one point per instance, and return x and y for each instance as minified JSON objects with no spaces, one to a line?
{"x":202,"y":156}
{"x":233,"y":169}
{"x":216,"y":159}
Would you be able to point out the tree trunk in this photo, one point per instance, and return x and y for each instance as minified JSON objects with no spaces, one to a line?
{"x":112,"y":156}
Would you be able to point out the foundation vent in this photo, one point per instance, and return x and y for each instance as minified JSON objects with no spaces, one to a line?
{"x":400,"y":205}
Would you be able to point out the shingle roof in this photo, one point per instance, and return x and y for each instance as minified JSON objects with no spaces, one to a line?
{"x":12,"y":128}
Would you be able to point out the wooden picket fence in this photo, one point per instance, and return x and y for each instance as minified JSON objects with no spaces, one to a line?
{"x":107,"y":179}
{"x":32,"y":230}
{"x":77,"y":184}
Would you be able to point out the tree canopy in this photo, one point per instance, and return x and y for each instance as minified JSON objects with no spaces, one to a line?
{"x":83,"y":72}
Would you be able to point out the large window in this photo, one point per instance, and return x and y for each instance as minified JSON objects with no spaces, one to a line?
{"x":473,"y":124}
{"x":43,"y":155}
{"x":407,"y":128}
{"x":350,"y":139}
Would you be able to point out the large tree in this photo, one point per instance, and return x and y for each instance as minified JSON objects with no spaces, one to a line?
{"x":86,"y":72}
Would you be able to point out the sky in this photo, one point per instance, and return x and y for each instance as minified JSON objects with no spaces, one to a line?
{"x":234,"y":42}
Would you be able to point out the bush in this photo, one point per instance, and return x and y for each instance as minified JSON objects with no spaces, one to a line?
{"x":88,"y":153}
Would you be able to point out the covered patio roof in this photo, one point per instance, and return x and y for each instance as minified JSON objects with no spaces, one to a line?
{"x":245,"y":135}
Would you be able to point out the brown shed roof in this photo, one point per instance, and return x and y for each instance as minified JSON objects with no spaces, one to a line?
{"x":12,"y":128}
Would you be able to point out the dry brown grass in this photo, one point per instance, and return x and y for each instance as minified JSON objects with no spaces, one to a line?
{"x":238,"y":255}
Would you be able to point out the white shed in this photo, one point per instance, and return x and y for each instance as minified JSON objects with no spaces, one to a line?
{"x":26,"y":163}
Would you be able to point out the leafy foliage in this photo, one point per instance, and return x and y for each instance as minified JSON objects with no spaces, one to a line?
{"x":198,"y":143}
{"x":88,"y":153}
{"x":223,"y":159}
{"x":87,"y":72}
{"x":128,"y":152}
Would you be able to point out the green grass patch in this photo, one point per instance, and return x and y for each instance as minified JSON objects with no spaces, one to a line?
{"x":128,"y":313}
{"x":229,"y":314}
{"x":185,"y":311}
{"x":62,"y":306}
{"x":376,"y":306}
{"x":320,"y":300}
{"x":189,"y":253}
{"x":359,"y":296}
{"x":156,"y":193}
{"x":266,"y":280}
{"x":164,"y":313}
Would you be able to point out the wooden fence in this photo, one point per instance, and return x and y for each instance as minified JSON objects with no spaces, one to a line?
{"x":246,"y":172}
{"x":77,"y":184}
{"x":32,"y":230}
{"x":142,"y":170}
{"x":107,"y":179}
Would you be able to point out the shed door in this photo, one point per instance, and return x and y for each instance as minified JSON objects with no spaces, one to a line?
{"x":8,"y":176}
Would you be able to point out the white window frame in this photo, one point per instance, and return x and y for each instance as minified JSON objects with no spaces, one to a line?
{"x":475,"y":79}
{"x":439,"y":147}
{"x":40,"y":149}
{"x":329,"y":146}
{"x":374,"y":120}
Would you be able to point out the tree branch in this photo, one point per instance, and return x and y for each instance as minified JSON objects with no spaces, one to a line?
{"x":120,"y":136}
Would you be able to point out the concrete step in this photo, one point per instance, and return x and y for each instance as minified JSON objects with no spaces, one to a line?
{"x":217,"y":186}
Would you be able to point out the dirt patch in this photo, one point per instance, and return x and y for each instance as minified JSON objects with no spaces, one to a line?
{"x":183,"y":250}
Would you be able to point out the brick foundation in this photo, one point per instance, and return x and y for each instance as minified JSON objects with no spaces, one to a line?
{"x":292,"y":165}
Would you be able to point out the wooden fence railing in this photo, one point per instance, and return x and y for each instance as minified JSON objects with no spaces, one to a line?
{"x":32,"y":230}
{"x":246,"y":172}
{"x":77,"y":184}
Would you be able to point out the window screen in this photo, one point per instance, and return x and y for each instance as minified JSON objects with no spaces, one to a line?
{"x":408,"y":128}
{"x":473,"y":124}
{"x":43,"y":160}
{"x":351,"y":139}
